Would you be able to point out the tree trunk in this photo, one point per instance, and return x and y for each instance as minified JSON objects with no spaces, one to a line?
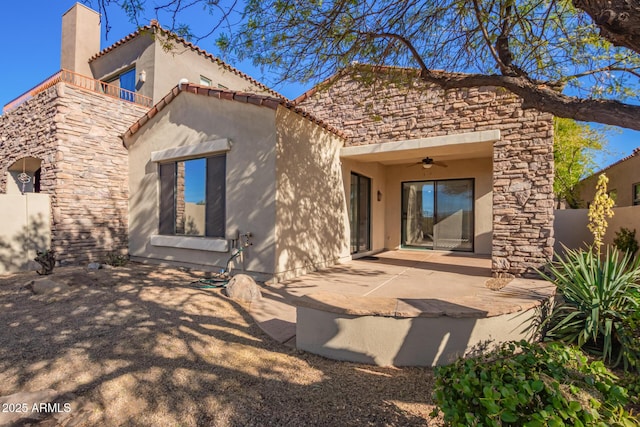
{"x":618,"y":20}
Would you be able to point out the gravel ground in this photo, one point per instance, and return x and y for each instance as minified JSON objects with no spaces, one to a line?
{"x":137,"y":346}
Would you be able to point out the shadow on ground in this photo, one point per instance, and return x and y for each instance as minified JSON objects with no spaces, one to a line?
{"x":137,"y":346}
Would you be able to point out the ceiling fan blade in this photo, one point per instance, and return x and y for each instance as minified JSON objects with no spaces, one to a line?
{"x":444,"y":165}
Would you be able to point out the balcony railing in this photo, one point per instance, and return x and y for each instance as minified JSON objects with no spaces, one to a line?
{"x":84,"y":82}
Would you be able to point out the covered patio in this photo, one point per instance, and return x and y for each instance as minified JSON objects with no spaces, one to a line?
{"x":400,"y":308}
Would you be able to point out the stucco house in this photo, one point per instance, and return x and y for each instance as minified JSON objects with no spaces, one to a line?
{"x":173,"y":155}
{"x":464,"y":170}
{"x":624,"y":182}
{"x":208,"y":164}
{"x":340,"y":173}
{"x":66,"y":133}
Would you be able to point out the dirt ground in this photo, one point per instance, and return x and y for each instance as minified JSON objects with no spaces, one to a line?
{"x":138,"y":346}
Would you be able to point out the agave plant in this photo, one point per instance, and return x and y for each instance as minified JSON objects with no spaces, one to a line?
{"x":598,"y":294}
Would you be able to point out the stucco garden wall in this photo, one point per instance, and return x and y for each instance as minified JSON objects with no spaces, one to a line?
{"x":522,"y":158}
{"x":571,"y":226}
{"x":25,"y":229}
{"x":76,"y":135}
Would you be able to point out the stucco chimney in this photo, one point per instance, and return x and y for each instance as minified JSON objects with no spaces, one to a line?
{"x":80,"y":38}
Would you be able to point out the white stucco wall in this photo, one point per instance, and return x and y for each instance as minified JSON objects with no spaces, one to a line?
{"x":24,"y":229}
{"x":165,"y":65}
{"x":138,"y":52}
{"x":312,"y":225}
{"x":182,"y":62}
{"x":377,"y":173}
{"x":250,"y":183}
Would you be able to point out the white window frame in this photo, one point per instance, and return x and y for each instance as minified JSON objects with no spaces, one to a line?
{"x":205,"y":81}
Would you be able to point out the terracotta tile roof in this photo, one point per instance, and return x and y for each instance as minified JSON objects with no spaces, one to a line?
{"x":636,"y":152}
{"x":155,"y":26}
{"x":248,"y":98}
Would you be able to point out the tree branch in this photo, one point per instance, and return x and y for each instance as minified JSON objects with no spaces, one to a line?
{"x":601,"y":70}
{"x":539,"y":95}
{"x":544,"y":98}
{"x":504,"y":67}
{"x":618,"y":20}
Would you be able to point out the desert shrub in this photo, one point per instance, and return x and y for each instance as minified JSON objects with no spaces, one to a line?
{"x":530,"y":385}
{"x":597,"y":294}
{"x":625,"y":241}
{"x":116,"y":260}
{"x":630,"y":340}
{"x":599,"y":210}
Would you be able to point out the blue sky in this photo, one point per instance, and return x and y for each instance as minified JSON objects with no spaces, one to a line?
{"x":30,"y":52}
{"x":30,"y":47}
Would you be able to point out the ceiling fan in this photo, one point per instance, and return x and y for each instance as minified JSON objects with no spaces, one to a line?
{"x":428,"y":162}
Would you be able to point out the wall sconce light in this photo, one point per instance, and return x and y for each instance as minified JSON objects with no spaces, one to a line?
{"x":143,"y":76}
{"x":379,"y":196}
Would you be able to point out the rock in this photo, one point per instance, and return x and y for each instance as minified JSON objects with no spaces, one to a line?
{"x":17,"y":408}
{"x":47,"y":286}
{"x":94,"y":266}
{"x":243,"y":288}
{"x":497,"y":283}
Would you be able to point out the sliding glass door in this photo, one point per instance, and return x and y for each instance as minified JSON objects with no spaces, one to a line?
{"x":438,"y":214}
{"x":360,"y":213}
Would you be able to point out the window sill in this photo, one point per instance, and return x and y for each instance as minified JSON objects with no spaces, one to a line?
{"x":210,"y":244}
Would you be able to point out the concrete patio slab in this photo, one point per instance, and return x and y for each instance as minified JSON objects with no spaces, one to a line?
{"x":397,"y":284}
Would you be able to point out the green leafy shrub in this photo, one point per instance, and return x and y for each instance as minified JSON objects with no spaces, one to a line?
{"x":530,"y":385}
{"x":630,"y":339}
{"x":626,"y":241}
{"x":631,"y":382}
{"x":597,"y":294}
{"x":116,"y":260}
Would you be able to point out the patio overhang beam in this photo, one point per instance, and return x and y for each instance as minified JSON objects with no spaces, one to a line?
{"x":461,"y":145}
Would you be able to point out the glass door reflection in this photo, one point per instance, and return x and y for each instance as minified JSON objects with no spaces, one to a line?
{"x":438,"y":214}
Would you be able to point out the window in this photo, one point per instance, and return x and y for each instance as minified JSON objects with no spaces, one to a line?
{"x":128,"y":82}
{"x":192,"y":197}
{"x":222,"y":86}
{"x":438,"y":214}
{"x":636,"y":194}
{"x":125,"y":85}
{"x":205,"y":81}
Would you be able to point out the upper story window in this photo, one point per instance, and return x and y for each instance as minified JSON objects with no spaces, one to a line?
{"x":192,"y":197}
{"x":222,"y":86}
{"x":636,"y":194}
{"x":205,"y":81}
{"x":126,"y":84}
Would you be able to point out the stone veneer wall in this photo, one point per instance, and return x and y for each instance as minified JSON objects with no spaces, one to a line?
{"x":522,"y":159}
{"x":76,"y":133}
